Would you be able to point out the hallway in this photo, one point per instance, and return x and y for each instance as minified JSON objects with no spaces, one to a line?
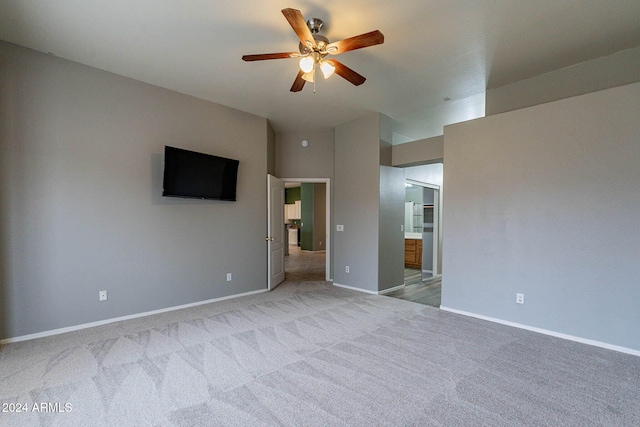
{"x":303,"y":266}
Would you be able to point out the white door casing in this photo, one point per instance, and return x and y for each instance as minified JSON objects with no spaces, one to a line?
{"x":327,"y":236}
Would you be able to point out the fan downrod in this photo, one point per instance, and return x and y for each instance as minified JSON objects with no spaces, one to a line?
{"x":315,"y":25}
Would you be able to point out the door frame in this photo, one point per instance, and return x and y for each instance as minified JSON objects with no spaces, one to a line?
{"x":437,"y":228}
{"x":275,"y":232}
{"x":327,"y":182}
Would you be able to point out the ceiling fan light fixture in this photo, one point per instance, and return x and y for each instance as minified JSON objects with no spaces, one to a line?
{"x":313,"y":47}
{"x":327,"y":69}
{"x":307,"y":63}
{"x":309,"y":77}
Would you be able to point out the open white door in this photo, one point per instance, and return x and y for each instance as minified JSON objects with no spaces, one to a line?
{"x":275,"y":231}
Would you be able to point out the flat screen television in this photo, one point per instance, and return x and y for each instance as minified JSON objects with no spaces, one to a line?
{"x":189,"y":174}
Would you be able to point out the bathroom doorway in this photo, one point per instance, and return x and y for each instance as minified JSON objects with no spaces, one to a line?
{"x":422,"y":280}
{"x":422,"y":223}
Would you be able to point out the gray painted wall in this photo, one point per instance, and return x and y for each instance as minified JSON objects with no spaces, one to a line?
{"x":386,"y":140}
{"x":544,"y":201}
{"x":271,"y":150}
{"x":609,"y":71}
{"x":81,"y":159}
{"x":391,"y":234}
{"x":356,"y":202}
{"x":352,"y":155}
{"x":315,"y":161}
{"x":430,"y":174}
{"x":391,"y":212}
{"x":424,"y":151}
{"x":369,"y":202}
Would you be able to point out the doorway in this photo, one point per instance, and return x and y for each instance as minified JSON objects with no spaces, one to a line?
{"x":422,"y":281}
{"x":422,"y":226}
{"x":308,"y":227}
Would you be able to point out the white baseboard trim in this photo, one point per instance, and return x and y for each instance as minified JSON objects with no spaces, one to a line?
{"x":367,"y":290}
{"x":395,"y":288}
{"x":546,"y":332}
{"x":119,"y":319}
{"x":355,"y":289}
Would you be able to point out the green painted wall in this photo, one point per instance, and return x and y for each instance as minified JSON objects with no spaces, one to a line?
{"x":291,"y":195}
{"x":306,"y":231}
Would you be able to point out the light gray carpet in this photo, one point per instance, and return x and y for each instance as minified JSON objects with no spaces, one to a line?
{"x":310,"y":354}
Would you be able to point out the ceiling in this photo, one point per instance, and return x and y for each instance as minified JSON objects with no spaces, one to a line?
{"x":438,"y":58}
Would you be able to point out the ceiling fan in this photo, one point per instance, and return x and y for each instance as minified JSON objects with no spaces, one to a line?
{"x":313,"y":49}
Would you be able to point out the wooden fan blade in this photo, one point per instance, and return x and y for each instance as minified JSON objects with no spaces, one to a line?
{"x":264,"y":56}
{"x":299,"y":25}
{"x":357,"y":42}
{"x":298,"y":83}
{"x":346,"y":72}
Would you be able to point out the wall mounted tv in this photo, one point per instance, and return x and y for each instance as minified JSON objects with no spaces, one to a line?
{"x":189,"y":174}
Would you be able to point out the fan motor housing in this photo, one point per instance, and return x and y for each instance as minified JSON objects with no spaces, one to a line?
{"x":321,"y":43}
{"x":315,"y":25}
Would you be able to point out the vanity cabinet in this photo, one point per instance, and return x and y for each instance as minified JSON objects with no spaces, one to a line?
{"x":413,"y":253}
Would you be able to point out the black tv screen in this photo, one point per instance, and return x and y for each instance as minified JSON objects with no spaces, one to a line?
{"x":189,"y":174}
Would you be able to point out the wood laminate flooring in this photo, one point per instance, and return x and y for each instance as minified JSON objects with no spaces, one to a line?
{"x":426,"y":292}
{"x":304,"y":266}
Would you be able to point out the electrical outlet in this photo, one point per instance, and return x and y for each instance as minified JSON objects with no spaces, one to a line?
{"x":339,"y":227}
{"x":228,"y":277}
{"x":520,"y":298}
{"x":346,"y":269}
{"x":102,"y":295}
